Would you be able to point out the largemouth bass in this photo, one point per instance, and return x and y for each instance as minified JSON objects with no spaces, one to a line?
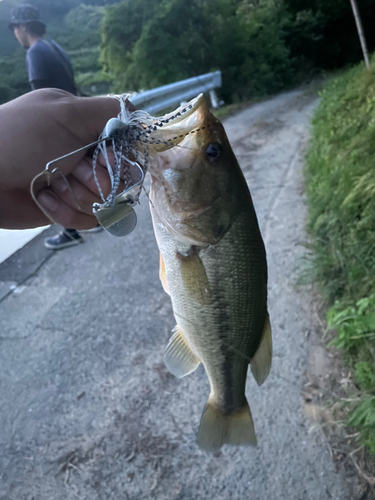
{"x":213,"y":266}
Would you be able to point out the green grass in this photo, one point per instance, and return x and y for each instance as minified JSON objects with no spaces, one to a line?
{"x":340,"y":181}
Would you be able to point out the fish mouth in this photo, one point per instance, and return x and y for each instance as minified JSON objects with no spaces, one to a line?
{"x":182,"y":113}
{"x":170,"y":129}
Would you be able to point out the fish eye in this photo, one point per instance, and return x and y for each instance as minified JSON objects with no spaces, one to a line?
{"x":214,"y":152}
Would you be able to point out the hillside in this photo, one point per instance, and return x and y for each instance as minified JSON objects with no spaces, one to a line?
{"x":341,"y":193}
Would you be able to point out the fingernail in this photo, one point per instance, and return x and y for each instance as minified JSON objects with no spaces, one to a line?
{"x":83,"y":172}
{"x":48,"y":201}
{"x":59,"y":185}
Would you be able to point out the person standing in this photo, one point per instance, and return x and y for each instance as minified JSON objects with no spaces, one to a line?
{"x":48,"y":66}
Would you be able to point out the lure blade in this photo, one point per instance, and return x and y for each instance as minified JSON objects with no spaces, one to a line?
{"x":119,"y":220}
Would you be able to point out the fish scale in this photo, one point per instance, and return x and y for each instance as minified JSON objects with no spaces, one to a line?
{"x":233,"y":310}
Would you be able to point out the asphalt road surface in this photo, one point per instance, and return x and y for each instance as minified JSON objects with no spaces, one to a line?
{"x":87,"y":409}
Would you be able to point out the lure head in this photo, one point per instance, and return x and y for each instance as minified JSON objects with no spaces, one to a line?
{"x":114,"y":128}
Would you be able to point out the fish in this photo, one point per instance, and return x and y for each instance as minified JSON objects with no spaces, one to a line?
{"x":213,"y":266}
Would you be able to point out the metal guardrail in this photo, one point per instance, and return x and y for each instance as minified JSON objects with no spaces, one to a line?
{"x":172,"y":95}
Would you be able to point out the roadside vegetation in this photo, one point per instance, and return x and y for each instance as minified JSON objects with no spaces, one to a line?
{"x":341,"y":194}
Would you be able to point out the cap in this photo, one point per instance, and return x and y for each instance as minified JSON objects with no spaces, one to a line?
{"x":25,"y":13}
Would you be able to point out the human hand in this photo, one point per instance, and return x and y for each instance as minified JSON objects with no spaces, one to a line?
{"x":37,"y":128}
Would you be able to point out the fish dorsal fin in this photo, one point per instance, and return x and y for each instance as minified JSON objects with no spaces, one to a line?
{"x":163,"y":276}
{"x":194,"y":277}
{"x":179,"y":358}
{"x":261,"y":361}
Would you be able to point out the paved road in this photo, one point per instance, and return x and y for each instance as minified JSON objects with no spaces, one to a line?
{"x":87,"y":409}
{"x":13,"y":240}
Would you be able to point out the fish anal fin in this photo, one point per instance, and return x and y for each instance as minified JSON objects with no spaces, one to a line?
{"x":217,"y":428}
{"x":179,"y":358}
{"x":163,"y":275}
{"x":194,"y":276}
{"x":262,"y":359}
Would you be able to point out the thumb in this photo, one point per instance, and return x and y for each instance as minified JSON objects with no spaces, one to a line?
{"x":96,"y":111}
{"x":81,"y":120}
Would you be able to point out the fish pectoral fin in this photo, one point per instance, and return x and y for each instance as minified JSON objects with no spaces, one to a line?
{"x":194,"y":277}
{"x":179,"y":358}
{"x":217,"y":428}
{"x":163,"y":276}
{"x":262,"y":359}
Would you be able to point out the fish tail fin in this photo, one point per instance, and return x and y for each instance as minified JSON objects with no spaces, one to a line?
{"x":217,"y":428}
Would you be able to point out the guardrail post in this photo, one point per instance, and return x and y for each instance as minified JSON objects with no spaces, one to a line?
{"x":214,"y":99}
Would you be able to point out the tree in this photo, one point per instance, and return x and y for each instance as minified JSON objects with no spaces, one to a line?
{"x":322,"y":33}
{"x":146,"y":45}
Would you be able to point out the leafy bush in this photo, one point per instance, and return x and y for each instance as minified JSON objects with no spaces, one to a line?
{"x":85,"y":60}
{"x":14,"y":80}
{"x":364,"y":418}
{"x":80,"y":28}
{"x":365,"y":375}
{"x":6,"y":92}
{"x":355,"y":324}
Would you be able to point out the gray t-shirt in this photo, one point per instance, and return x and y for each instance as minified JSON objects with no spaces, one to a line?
{"x":50,"y":65}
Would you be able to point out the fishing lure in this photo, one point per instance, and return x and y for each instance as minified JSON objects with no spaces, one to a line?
{"x":128,"y":136}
